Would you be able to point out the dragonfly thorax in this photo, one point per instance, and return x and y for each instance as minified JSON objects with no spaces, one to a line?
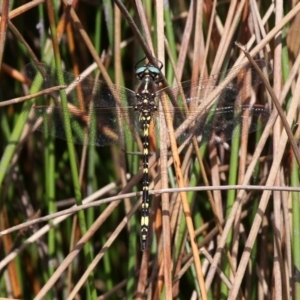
{"x":146,"y":103}
{"x":145,"y":96}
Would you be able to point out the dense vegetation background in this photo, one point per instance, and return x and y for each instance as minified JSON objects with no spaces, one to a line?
{"x":211,"y":241}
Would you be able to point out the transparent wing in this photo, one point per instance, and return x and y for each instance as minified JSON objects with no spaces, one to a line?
{"x":223,"y":119}
{"x":100,"y":114}
{"x":192,"y":93}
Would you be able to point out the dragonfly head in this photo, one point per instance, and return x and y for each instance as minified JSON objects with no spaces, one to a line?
{"x":149,"y":70}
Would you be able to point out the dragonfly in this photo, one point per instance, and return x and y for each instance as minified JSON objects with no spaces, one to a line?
{"x":102,"y":114}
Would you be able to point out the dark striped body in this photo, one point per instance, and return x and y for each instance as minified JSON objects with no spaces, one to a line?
{"x":146,"y":105}
{"x":96,"y":107}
